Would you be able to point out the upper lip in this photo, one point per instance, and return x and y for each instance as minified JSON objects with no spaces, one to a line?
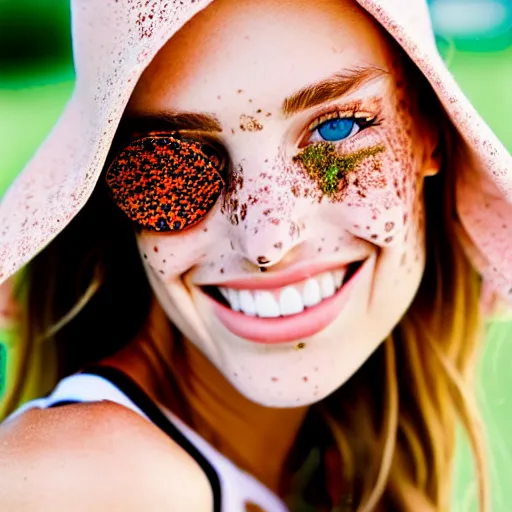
{"x":273,"y":279}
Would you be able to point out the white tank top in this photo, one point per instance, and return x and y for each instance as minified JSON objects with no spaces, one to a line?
{"x":234,"y":490}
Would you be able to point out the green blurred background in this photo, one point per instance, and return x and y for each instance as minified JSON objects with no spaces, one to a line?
{"x":475,"y":38}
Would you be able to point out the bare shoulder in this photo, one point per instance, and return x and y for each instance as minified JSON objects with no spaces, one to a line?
{"x":98,"y":456}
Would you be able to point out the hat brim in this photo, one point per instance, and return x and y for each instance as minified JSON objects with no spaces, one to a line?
{"x":58,"y":181}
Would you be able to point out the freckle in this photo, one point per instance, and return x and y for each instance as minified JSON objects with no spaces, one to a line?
{"x":233,"y":131}
{"x":218,"y":97}
{"x":222,"y":255}
{"x":405,"y":218}
{"x":368,"y":228}
{"x":374,"y":237}
{"x":239,"y":91}
{"x":300,"y":346}
{"x":163,"y":261}
{"x":319,"y":249}
{"x":258,"y":111}
{"x":357,"y":226}
{"x":255,"y":231}
{"x":388,"y":239}
{"x":267,"y":212}
{"x":268,"y":114}
{"x":315,"y":368}
{"x":222,"y":271}
{"x":278,"y":245}
{"x":161,"y":272}
{"x":232,"y":246}
{"x":145,"y":256}
{"x":205,"y":230}
{"x":305,"y":379}
{"x":274,"y":379}
{"x":235,"y":374}
{"x":155,"y":248}
{"x":389,"y":226}
{"x":250,"y":101}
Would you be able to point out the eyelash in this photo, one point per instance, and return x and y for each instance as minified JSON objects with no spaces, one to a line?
{"x":362,"y":119}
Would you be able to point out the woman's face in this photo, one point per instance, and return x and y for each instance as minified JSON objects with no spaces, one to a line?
{"x":324,"y":162}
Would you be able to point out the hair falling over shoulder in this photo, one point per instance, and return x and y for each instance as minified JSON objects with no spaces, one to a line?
{"x":392,"y":426}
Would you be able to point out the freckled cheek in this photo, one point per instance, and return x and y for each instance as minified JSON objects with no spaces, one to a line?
{"x":381,"y":200}
{"x":171,"y":255}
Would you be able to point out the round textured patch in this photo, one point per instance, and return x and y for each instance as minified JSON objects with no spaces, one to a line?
{"x":165,"y":183}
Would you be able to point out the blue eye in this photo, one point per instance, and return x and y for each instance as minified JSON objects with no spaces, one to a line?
{"x":337,"y":129}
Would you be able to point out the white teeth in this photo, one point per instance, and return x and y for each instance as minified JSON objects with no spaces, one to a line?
{"x":266,"y":305}
{"x":338,"y":278}
{"x":311,"y":293}
{"x":327,"y":286}
{"x":247,"y":303}
{"x":234,"y":299}
{"x":290,"y":301}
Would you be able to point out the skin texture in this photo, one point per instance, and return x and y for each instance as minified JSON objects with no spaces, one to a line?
{"x":238,"y":62}
{"x":43,"y":467}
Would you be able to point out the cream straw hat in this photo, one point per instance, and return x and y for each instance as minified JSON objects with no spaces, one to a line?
{"x":114,"y":41}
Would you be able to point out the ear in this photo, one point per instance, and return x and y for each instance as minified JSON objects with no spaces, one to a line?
{"x":431,"y":164}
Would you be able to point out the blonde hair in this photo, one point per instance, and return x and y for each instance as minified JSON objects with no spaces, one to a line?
{"x":393,"y":424}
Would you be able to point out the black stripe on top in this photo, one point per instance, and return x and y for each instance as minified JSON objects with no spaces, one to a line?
{"x":132,"y":390}
{"x":61,"y":403}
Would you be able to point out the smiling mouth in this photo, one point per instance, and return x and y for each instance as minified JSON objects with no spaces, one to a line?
{"x":288,"y":300}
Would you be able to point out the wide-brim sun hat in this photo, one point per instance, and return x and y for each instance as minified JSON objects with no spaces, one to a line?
{"x":114,"y":41}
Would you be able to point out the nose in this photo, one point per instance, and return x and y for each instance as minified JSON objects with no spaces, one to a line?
{"x":267,"y":220}
{"x":266,"y":243}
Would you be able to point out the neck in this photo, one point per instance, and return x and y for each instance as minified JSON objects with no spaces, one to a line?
{"x":242,"y":430}
{"x":255,"y":438}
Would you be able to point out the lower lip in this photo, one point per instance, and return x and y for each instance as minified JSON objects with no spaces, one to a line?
{"x":271,"y":331}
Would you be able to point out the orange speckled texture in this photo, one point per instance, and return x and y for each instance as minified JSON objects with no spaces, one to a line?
{"x":164,"y":183}
{"x":115,"y":40}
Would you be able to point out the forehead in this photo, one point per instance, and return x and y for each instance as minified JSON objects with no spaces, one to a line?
{"x":260,"y":51}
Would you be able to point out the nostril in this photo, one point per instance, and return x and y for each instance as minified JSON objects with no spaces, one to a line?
{"x":262,"y":260}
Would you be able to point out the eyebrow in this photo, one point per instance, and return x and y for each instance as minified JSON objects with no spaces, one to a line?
{"x":174,"y":121}
{"x":330,"y":89}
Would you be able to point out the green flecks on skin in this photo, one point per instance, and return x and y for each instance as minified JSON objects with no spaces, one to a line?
{"x":323,"y":164}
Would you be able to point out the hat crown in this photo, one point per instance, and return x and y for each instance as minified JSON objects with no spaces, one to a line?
{"x":113,"y":36}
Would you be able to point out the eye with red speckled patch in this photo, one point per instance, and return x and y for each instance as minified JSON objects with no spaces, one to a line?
{"x":163,"y":182}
